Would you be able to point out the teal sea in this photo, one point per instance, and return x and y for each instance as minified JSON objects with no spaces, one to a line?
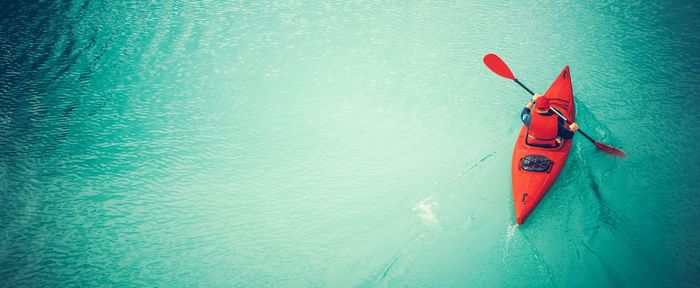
{"x":341,"y":144}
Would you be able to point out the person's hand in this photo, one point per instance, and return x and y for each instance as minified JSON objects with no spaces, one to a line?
{"x":573,"y":127}
{"x":534,"y":97}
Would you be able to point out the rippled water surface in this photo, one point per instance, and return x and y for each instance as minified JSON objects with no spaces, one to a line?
{"x":340,"y":144}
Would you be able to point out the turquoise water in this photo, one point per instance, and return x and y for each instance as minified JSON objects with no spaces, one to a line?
{"x":340,"y":144}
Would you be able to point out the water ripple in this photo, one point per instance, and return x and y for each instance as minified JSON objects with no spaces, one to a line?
{"x":197,"y":143}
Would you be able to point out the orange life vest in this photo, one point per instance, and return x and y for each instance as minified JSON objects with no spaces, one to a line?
{"x":543,"y":130}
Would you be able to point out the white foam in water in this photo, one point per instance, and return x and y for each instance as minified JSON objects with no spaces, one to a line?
{"x":468,"y":222}
{"x":425,"y":211}
{"x":511,"y":231}
{"x":509,"y":236}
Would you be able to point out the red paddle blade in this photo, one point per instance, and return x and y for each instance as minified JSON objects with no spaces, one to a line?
{"x":498,"y":66}
{"x":609,"y":149}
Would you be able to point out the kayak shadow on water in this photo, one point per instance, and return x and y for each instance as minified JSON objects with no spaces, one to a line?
{"x":584,"y":183}
{"x":606,"y":214}
{"x":591,"y":183}
{"x":595,"y":173}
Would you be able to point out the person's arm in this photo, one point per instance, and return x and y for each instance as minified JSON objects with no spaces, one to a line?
{"x":567,"y":131}
{"x":525,"y":114}
{"x":532,"y":101}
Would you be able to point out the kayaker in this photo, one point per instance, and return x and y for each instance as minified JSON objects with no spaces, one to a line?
{"x":545,"y":128}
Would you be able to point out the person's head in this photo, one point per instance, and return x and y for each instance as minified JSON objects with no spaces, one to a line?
{"x":542,"y":105}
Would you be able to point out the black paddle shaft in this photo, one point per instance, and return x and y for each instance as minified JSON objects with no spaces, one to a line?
{"x":524,"y":87}
{"x":562,"y":116}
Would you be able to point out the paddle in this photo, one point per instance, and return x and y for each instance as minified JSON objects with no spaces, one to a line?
{"x":499,"y":67}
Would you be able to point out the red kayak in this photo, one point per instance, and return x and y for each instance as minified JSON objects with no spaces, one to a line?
{"x":535,"y":169}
